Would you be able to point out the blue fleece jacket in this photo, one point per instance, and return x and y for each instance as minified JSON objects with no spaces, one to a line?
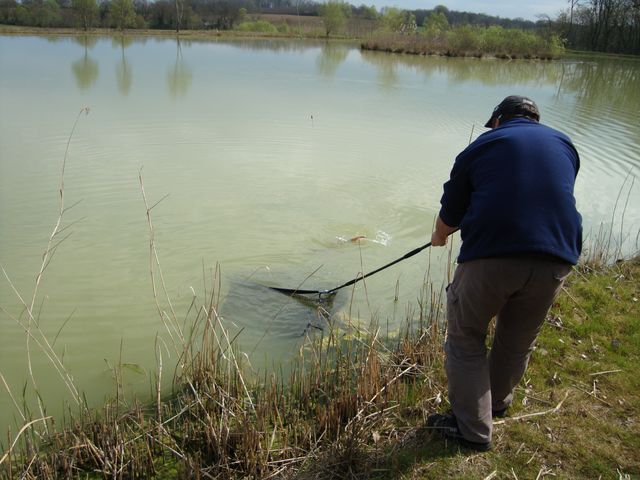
{"x":511,"y":193}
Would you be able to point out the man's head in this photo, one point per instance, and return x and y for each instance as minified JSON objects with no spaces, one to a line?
{"x":511,"y":107}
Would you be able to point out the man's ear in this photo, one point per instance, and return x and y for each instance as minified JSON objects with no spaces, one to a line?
{"x":495,"y":122}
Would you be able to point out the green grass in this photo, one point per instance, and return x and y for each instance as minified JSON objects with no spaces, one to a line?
{"x":593,"y":328}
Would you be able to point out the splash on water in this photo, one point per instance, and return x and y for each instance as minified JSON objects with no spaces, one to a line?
{"x":381,"y":238}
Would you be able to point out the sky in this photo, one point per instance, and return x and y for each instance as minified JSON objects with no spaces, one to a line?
{"x":527,"y":9}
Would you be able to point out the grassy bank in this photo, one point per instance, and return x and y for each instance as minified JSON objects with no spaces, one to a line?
{"x":354,"y":404}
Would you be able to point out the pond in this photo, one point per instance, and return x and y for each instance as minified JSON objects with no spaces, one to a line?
{"x":261,"y":159}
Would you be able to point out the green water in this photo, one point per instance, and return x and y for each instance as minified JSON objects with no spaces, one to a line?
{"x":270,"y":155}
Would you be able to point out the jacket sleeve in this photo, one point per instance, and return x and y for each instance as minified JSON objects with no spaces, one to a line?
{"x":457,"y":192}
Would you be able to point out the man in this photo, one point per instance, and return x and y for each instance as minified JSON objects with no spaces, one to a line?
{"x":511,"y":195}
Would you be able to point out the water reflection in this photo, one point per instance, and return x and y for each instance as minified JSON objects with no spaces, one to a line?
{"x":330,"y":57}
{"x":54,"y":38}
{"x":85,"y":69}
{"x":597,"y":84}
{"x":489,"y":72}
{"x":180,"y":76}
{"x":124,"y":72}
{"x":387,"y":75}
{"x":606,"y":85}
{"x":272,"y":44}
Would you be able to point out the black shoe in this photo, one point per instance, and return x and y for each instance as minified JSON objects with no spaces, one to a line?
{"x":447,"y":426}
{"x":499,"y":413}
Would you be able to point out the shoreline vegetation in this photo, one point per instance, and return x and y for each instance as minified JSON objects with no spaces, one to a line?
{"x":464,"y":41}
{"x":471,"y":42}
{"x":355,"y":401}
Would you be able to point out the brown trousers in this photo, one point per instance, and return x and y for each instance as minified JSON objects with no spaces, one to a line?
{"x":519,"y":292}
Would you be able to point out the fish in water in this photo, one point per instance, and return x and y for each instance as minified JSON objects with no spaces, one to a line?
{"x":382,"y":238}
{"x":356,"y":239}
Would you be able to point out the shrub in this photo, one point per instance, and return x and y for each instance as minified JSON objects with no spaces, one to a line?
{"x":259,"y":26}
{"x":493,"y":40}
{"x":465,"y":40}
{"x":469,"y":40}
{"x":140,"y":22}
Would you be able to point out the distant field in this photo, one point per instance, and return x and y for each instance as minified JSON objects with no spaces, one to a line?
{"x":356,"y":27}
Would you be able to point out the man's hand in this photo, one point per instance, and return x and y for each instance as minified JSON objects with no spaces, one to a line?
{"x":441,"y":233}
{"x":438,"y":240}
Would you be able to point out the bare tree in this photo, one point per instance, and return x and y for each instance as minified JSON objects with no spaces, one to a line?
{"x":179,"y":14}
{"x":602,"y":25}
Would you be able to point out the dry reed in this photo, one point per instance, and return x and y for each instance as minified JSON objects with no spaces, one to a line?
{"x":345,"y":389}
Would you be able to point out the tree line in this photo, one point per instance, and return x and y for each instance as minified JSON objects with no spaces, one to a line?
{"x":601,"y":25}
{"x":197,"y":14}
{"x":598,"y":25}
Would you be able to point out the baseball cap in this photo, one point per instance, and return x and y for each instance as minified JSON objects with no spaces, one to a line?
{"x":515,"y":105}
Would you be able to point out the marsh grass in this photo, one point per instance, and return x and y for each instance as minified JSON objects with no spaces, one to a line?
{"x":344,"y":390}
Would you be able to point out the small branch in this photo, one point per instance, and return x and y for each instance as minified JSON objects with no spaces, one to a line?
{"x":591,"y":394}
{"x":604,"y":373}
{"x":70,"y":225}
{"x":566,"y":292}
{"x":543,"y":472}
{"x":53,"y":344}
{"x":536,"y":414}
{"x":158,"y":202}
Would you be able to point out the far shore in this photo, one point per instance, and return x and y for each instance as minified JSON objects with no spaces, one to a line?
{"x":235,"y":34}
{"x":378,"y":43}
{"x":210,"y":33}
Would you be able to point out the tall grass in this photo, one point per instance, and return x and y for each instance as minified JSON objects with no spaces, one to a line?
{"x":346,"y":386}
{"x":613,"y":241}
